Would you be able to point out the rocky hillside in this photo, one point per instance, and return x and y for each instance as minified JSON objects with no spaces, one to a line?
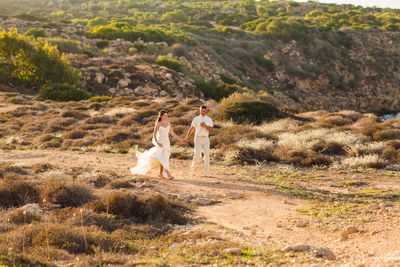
{"x":335,"y":70}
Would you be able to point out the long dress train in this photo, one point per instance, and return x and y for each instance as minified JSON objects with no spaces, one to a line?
{"x":156,"y":155}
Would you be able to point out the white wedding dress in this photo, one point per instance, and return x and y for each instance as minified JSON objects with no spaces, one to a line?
{"x":156,"y":155}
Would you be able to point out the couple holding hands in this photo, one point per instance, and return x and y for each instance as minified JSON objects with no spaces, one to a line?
{"x":158,"y":155}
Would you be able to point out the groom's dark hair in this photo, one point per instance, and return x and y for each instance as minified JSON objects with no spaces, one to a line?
{"x":203,"y":107}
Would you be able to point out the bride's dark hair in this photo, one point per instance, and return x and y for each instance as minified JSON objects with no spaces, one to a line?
{"x":162,"y":112}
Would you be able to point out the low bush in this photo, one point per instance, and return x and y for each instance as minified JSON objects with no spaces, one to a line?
{"x":36,"y":33}
{"x":102,"y":44}
{"x":231,"y":134}
{"x":302,"y":157}
{"x":170,"y":63}
{"x":389,"y":153}
{"x":251,"y":152}
{"x":42,"y":167}
{"x":75,"y":134}
{"x":216,"y":90}
{"x":240,"y":108}
{"x":120,"y":183}
{"x":62,"y":92}
{"x":394,"y":143}
{"x":369,"y":129}
{"x":100,"y":98}
{"x":332,"y":120}
{"x":100,"y":119}
{"x":74,"y":114}
{"x":386,"y":134}
{"x":329,"y":148}
{"x":75,"y":240}
{"x":118,"y":137}
{"x":17,"y":193}
{"x":66,"y":45}
{"x":178,"y":50}
{"x":145,"y":208}
{"x":369,"y":161}
{"x":65,"y":194}
{"x":263,"y":62}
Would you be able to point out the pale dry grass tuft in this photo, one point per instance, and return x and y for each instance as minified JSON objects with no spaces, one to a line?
{"x":26,"y":165}
{"x":367,"y":148}
{"x":257,"y":144}
{"x":366,"y":161}
{"x":306,"y":139}
{"x":279,"y":126}
{"x":106,"y":148}
{"x":14,"y":140}
{"x":351,"y":114}
{"x":120,"y":111}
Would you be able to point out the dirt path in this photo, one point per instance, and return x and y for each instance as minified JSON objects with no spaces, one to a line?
{"x":258,"y":213}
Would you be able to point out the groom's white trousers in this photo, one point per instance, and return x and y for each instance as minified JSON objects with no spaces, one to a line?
{"x":202,"y":144}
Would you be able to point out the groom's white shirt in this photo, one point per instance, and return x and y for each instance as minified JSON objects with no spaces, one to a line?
{"x":199,"y":130}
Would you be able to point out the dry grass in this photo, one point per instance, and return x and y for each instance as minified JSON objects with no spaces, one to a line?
{"x":42,"y":167}
{"x":329,"y":148}
{"x":229,"y":135}
{"x":120,"y":112}
{"x":386,"y":134}
{"x":144,"y":208}
{"x":283,"y":125}
{"x":75,"y":134}
{"x":365,"y":149}
{"x":366,"y":161}
{"x":332,"y":120}
{"x":21,"y":216}
{"x":65,"y":194}
{"x":307,"y":139}
{"x":74,"y":114}
{"x":105,"y":119}
{"x":15,"y":193}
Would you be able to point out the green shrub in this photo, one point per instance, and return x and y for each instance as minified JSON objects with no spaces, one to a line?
{"x":62,"y":92}
{"x":227,"y":79}
{"x":263,"y":62}
{"x":32,"y":63}
{"x":169,"y":63}
{"x":102,"y":44}
{"x":245,"y":108}
{"x":100,"y":98}
{"x":96,"y":22}
{"x":178,"y":50}
{"x":35,"y":33}
{"x":132,"y":33}
{"x":65,"y":45}
{"x":216,"y":90}
{"x":352,"y":83}
{"x":28,"y":17}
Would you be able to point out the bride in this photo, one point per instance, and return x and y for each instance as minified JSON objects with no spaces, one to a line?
{"x":159,"y":154}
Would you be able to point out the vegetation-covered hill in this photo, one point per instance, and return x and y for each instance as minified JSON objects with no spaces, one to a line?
{"x":306,"y":55}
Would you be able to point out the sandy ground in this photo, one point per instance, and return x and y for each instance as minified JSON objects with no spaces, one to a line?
{"x":256,"y":212}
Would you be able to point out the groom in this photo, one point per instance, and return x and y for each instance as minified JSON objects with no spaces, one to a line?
{"x":202,"y":125}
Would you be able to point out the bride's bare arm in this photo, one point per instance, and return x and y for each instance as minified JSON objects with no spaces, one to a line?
{"x":155,"y":134}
